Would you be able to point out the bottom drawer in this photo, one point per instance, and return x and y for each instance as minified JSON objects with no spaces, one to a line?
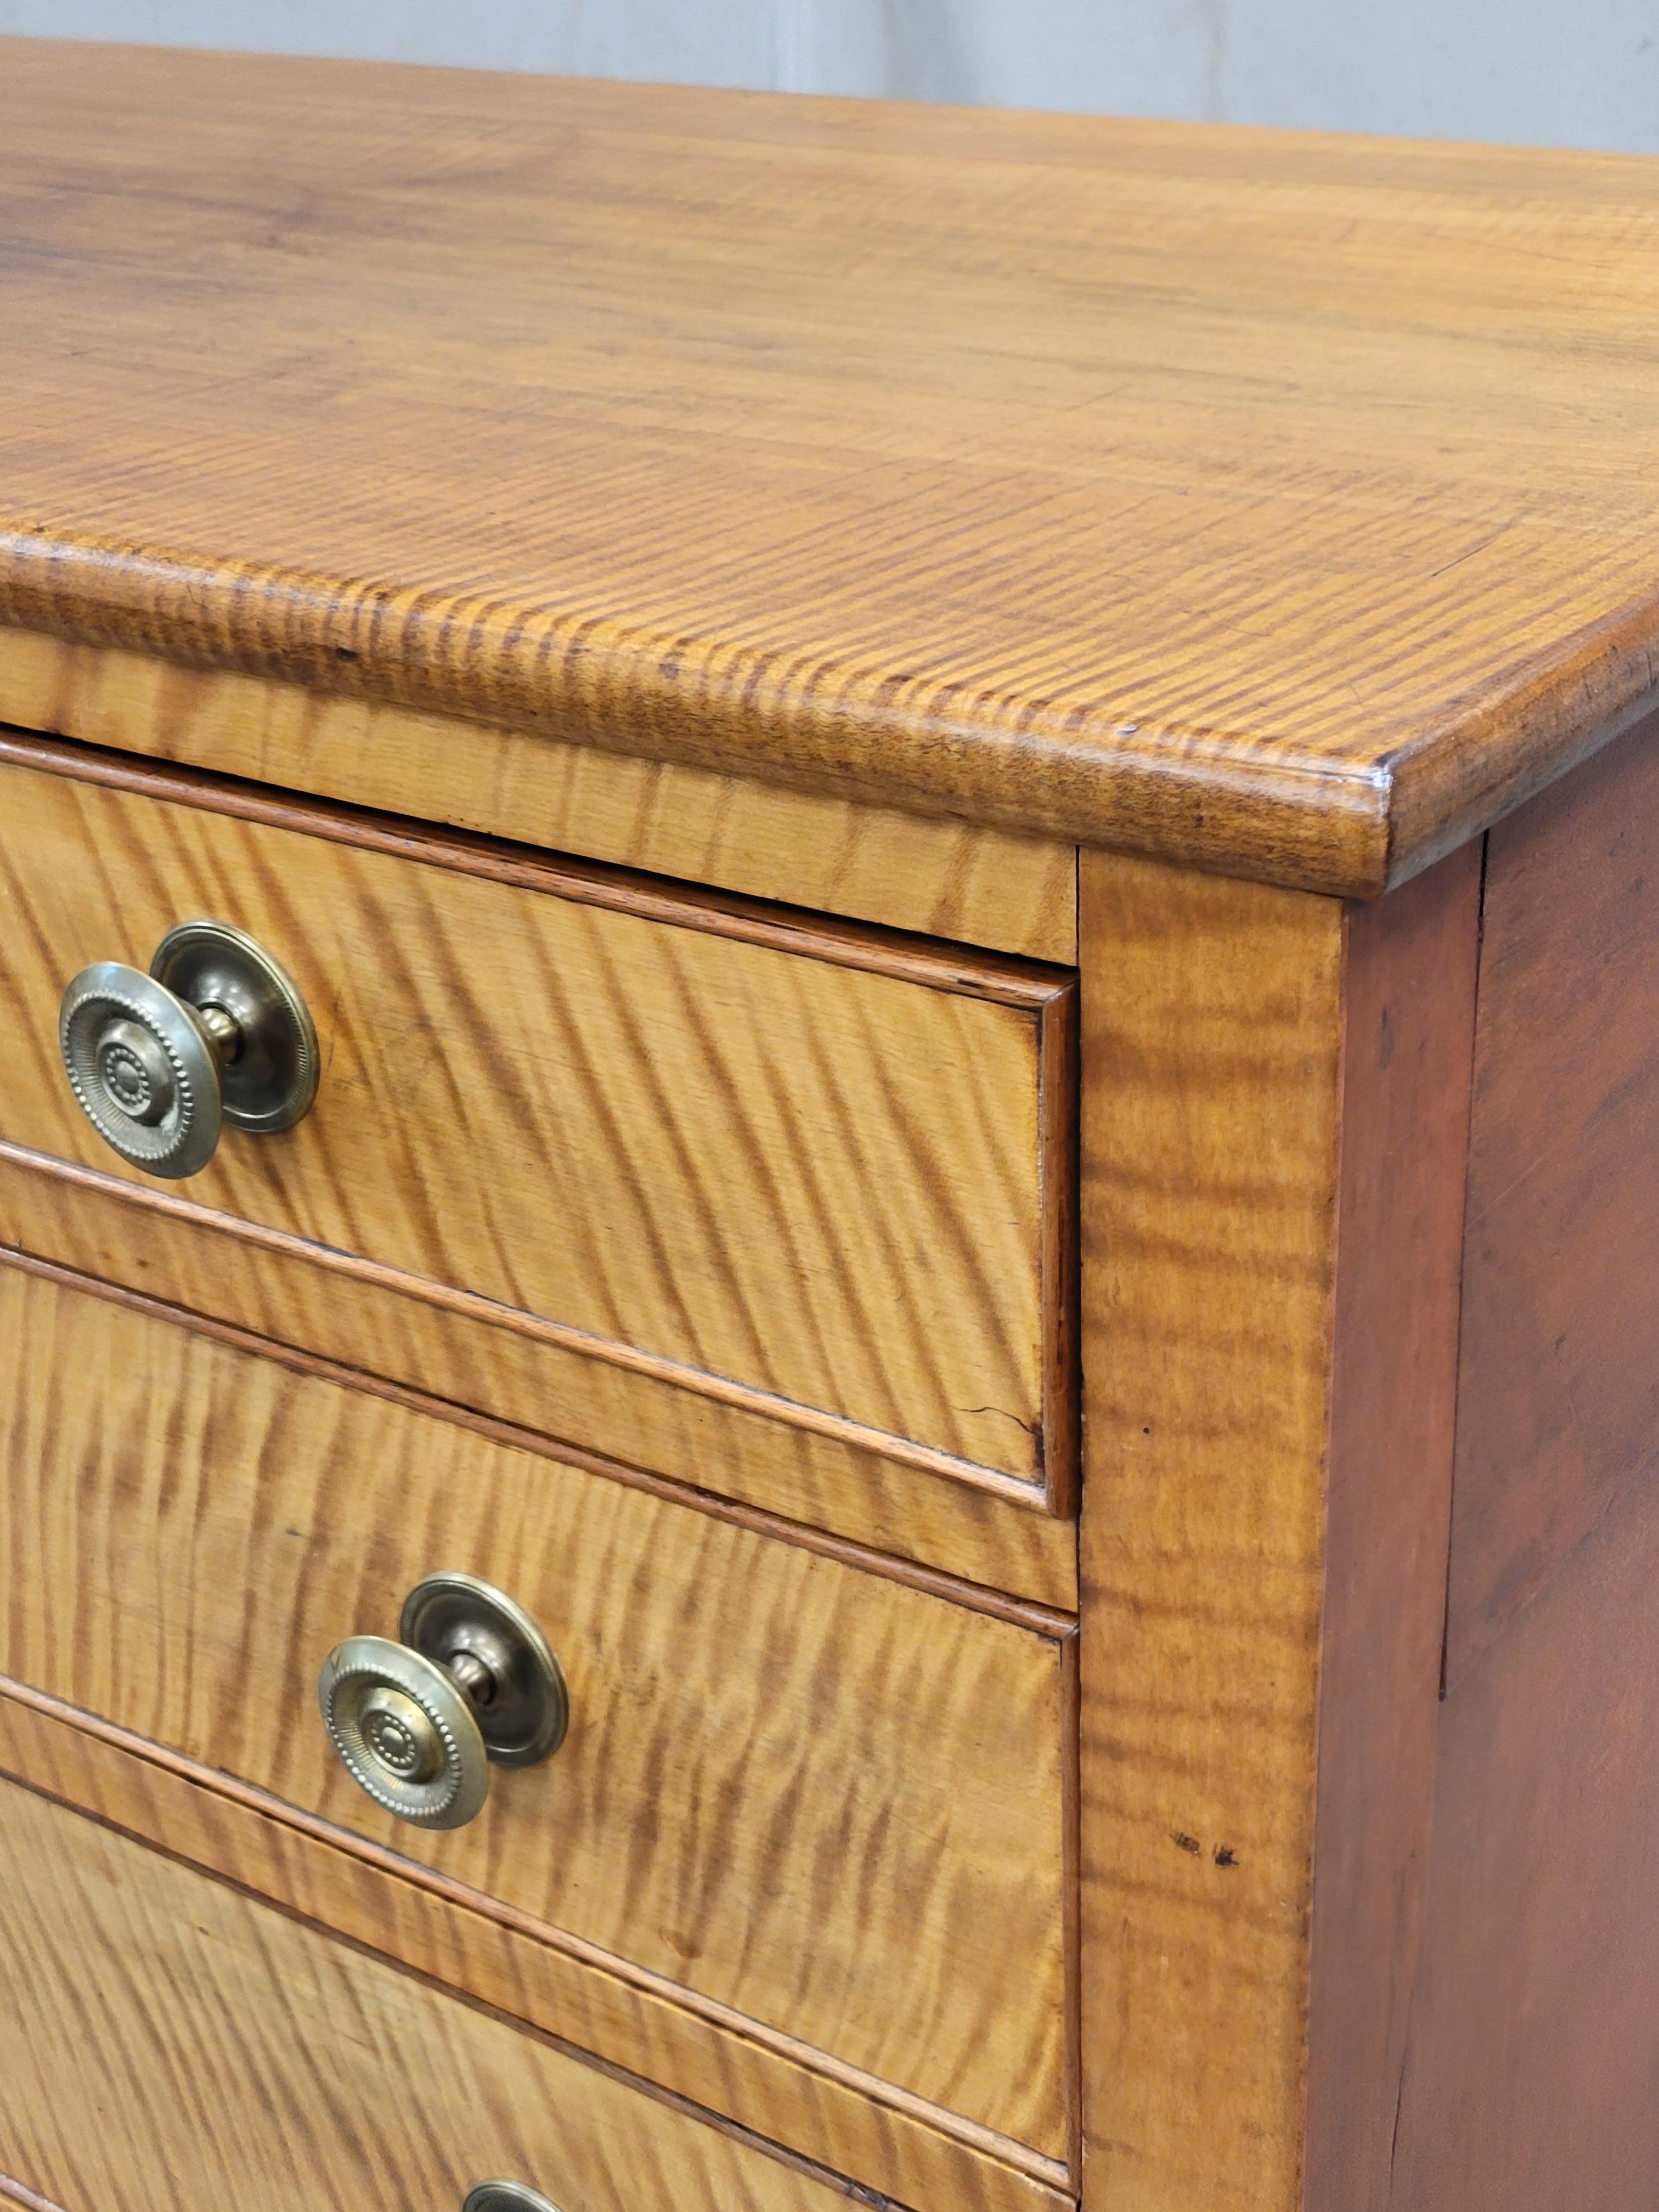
{"x":168,"y":2045}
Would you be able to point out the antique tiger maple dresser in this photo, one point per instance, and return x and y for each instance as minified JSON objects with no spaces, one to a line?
{"x":830,"y":1156}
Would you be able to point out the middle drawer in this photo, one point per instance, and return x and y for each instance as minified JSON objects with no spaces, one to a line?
{"x":809,"y":1792}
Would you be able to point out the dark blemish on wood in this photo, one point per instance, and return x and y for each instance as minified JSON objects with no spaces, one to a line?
{"x":1002,"y":1413}
{"x":345,"y":653}
{"x":1225,"y":1856}
{"x":1187,"y":1844}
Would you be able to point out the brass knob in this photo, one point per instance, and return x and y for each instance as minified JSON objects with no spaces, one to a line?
{"x":416,"y":1724}
{"x":216,"y":1032}
{"x":506,"y":2196}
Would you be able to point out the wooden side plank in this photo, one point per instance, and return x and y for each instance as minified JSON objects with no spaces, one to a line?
{"x":1274,"y":1128}
{"x":648,"y":1121}
{"x":1559,"y":1394}
{"x":795,"y":1790}
{"x":1408,"y":1034}
{"x":1535,"y":2043}
{"x":300,"y":2074}
{"x":944,"y":878}
{"x":895,"y":2146}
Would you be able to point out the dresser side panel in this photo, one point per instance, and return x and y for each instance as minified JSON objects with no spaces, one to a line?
{"x":1408,"y":1031}
{"x":1558,"y":1413}
{"x":1535,"y":2048}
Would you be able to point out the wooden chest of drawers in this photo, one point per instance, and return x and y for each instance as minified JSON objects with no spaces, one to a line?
{"x":826,"y":1195}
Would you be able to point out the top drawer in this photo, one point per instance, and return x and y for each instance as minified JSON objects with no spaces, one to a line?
{"x":816,"y":1171}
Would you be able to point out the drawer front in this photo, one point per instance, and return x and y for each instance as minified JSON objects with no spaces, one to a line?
{"x":808,"y":1793}
{"x":826,"y":1169}
{"x":168,"y":2045}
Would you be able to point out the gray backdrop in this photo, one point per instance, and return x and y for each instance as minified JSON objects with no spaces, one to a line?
{"x":1563,"y":72}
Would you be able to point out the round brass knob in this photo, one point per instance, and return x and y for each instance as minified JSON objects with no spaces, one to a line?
{"x":216,"y":1032}
{"x":506,"y":2196}
{"x":416,"y":1724}
{"x":404,"y":1731}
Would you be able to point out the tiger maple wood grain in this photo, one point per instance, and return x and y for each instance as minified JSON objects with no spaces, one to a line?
{"x":1274,"y":1123}
{"x":818,"y":1180}
{"x":466,"y":1351}
{"x":773,"y":2086}
{"x":955,"y":879}
{"x":14,"y":2193}
{"x":804,"y":1792}
{"x":1211,"y":1014}
{"x":1281,"y":504}
{"x":300,"y":2075}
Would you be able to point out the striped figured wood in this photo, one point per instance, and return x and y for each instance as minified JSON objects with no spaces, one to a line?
{"x":827,"y":1169}
{"x":1273,"y":503}
{"x":1275,"y":1122}
{"x":168,"y":2044}
{"x":953,"y":879}
{"x":798,"y":1790}
{"x":465,"y":1350}
{"x":1213,"y":1026}
{"x":889,"y":2144}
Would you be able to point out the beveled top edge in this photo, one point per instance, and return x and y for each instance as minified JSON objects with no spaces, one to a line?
{"x":1263,"y":502}
{"x":1206,"y":800}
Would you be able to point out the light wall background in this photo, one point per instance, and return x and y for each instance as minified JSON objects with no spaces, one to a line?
{"x":1559,"y":72}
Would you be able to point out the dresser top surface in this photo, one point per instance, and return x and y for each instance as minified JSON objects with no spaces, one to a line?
{"x":1286,"y":505}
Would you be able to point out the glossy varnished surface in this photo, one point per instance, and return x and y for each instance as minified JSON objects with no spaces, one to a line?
{"x":797,"y":1790}
{"x":887,"y":2144}
{"x":658,"y":1127}
{"x":323,"y":1303}
{"x":946,"y":879}
{"x":1274,"y":1121}
{"x":1286,"y":505}
{"x":296,"y":2074}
